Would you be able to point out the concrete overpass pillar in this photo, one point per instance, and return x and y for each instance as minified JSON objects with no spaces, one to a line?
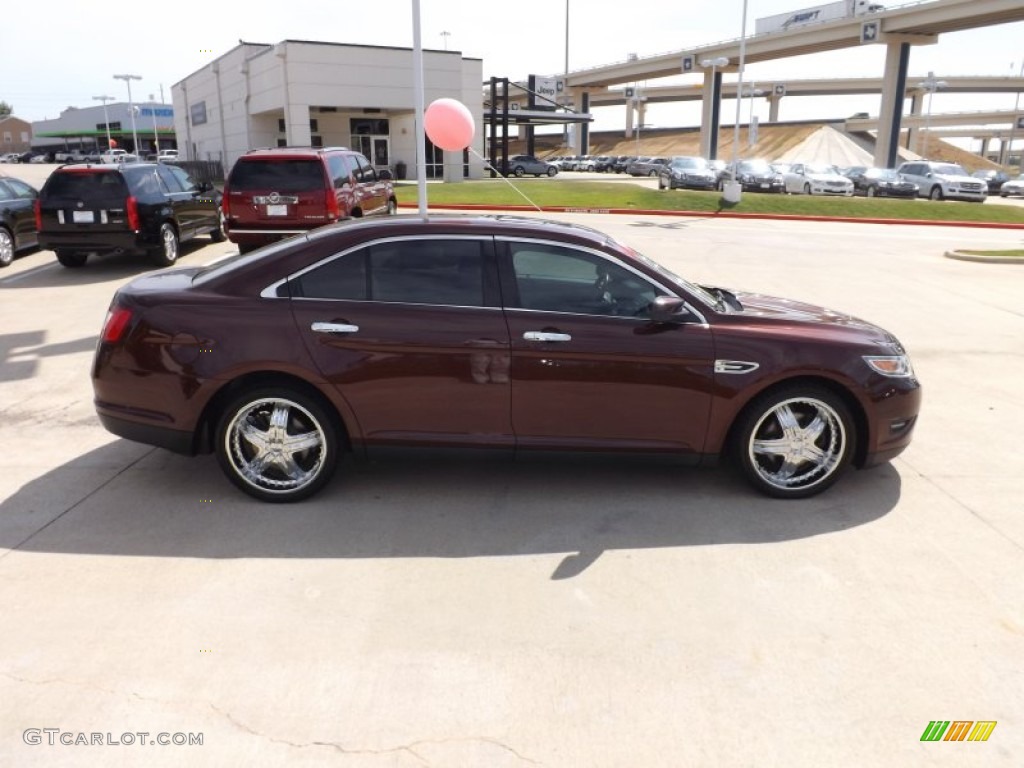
{"x":773,"y":108}
{"x":916,"y":109}
{"x":711,"y":104}
{"x":984,"y":147}
{"x":629,"y":119}
{"x":894,"y":85}
{"x":575,"y":96}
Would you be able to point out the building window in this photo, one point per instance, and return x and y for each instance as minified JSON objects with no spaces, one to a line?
{"x":282,"y":142}
{"x":7,"y":137}
{"x":316,"y":141}
{"x":198,"y":113}
{"x":363,"y":126}
{"x":281,"y":128}
{"x":24,"y":137}
{"x":314,"y":126}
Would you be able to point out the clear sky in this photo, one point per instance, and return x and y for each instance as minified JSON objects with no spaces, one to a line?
{"x":64,"y":53}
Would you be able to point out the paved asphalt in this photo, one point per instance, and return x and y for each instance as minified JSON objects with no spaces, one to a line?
{"x":439,"y":612}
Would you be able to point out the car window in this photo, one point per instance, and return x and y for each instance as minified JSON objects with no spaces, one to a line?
{"x":146,"y":184}
{"x":556,"y":279}
{"x":169,"y":179}
{"x":95,"y":186}
{"x":365,"y":172}
{"x":21,"y":189}
{"x":278,"y":174}
{"x":449,"y":272}
{"x":6,"y":193}
{"x":183,"y":178}
{"x":338,"y":170}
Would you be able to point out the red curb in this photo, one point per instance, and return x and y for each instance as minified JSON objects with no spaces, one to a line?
{"x":722,"y":215}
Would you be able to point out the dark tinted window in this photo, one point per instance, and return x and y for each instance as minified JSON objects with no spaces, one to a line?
{"x":183,"y":178}
{"x":277,"y":174}
{"x":21,"y":189}
{"x":555,"y":279}
{"x":339,"y":173}
{"x":6,"y":193}
{"x":145,"y":183}
{"x":99,"y":186}
{"x":409,"y":271}
{"x":169,"y":179}
{"x":365,"y":172}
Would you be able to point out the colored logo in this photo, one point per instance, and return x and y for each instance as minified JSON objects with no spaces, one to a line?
{"x":958,"y":730}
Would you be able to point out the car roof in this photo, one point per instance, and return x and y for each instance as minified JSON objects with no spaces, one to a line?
{"x":293,"y":151}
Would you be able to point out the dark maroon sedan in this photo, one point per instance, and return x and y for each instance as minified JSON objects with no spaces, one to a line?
{"x":495,"y":333}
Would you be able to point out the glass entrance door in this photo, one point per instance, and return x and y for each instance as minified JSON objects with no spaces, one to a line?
{"x":376,"y":149}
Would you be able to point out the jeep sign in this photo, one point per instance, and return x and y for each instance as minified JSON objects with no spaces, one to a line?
{"x":543,"y":92}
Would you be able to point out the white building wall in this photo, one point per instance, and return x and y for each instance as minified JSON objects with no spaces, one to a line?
{"x":246,"y":89}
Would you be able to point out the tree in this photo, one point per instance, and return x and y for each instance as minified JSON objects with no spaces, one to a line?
{"x":5,"y":109}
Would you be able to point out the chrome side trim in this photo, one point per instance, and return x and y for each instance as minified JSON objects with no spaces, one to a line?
{"x":735,"y":366}
{"x":334,"y":328}
{"x":546,"y":336}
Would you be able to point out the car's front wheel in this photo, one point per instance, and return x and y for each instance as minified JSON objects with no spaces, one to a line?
{"x":277,"y":444}
{"x":167,"y":253}
{"x":935,"y":193}
{"x":392,"y":206}
{"x":795,"y":441}
{"x":807,"y":189}
{"x":6,"y":248}
{"x":552,"y":171}
{"x":72,"y":259}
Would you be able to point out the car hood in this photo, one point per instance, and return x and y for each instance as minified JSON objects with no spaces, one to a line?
{"x":956,"y":178}
{"x":826,"y":177}
{"x":808,"y":319}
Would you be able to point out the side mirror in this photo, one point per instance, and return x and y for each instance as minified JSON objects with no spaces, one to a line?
{"x":204,"y":186}
{"x":668,"y":309}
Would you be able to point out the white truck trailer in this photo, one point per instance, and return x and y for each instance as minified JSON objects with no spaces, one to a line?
{"x":780,"y":22}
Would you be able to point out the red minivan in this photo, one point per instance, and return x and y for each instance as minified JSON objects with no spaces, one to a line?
{"x":271,"y":194}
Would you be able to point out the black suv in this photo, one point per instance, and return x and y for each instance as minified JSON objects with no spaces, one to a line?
{"x":144,"y":208}
{"x":17,"y":228}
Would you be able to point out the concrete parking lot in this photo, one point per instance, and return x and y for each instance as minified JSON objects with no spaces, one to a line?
{"x":442,"y":612}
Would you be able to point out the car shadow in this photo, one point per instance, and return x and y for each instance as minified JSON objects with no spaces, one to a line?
{"x":21,"y":352}
{"x":131,"y":500}
{"x":98,"y":269}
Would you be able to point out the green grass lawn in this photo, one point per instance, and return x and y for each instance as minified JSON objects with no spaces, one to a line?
{"x":1017,"y":254}
{"x":605,"y":195}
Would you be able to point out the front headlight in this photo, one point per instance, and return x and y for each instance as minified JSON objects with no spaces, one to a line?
{"x":897,"y":366}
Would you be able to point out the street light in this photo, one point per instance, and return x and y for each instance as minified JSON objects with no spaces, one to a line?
{"x":445,"y":35}
{"x":931,"y":85}
{"x":751,"y":131}
{"x":128,"y":79}
{"x":106,"y":118}
{"x":156,"y":138}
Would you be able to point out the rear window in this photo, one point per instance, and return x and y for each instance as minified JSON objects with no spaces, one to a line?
{"x":86,"y":185}
{"x":279,"y":175}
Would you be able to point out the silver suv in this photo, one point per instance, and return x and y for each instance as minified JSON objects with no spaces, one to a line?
{"x":944,"y":181}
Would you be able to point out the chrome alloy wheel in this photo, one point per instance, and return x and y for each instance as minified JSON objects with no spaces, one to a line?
{"x":797,"y":444}
{"x":275,"y":445}
{"x":6,"y":248}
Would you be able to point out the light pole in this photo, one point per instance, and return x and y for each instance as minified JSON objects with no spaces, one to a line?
{"x":106,"y":117}
{"x":931,"y":85}
{"x":131,"y":107}
{"x":751,"y":129}
{"x":156,"y":138}
{"x":445,"y":35}
{"x":739,"y":90}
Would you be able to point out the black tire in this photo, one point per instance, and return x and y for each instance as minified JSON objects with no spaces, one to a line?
{"x":552,"y":171}
{"x":935,"y":193}
{"x":6,"y":247}
{"x":653,"y":173}
{"x":518,"y":171}
{"x":218,"y":235}
{"x":273,"y":416}
{"x":392,"y":206}
{"x":794,"y":441}
{"x":166,"y":255}
{"x":807,"y":189}
{"x":72,"y":259}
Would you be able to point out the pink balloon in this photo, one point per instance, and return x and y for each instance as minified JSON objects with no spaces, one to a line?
{"x":449,"y":125}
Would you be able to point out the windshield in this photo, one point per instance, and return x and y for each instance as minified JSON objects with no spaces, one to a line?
{"x":696,"y":290}
{"x":817,"y":168}
{"x":949,"y":169}
{"x":882,"y":173}
{"x":689,"y":162}
{"x":755,"y":166}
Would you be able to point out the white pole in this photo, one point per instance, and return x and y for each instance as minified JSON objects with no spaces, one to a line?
{"x":421,"y":138}
{"x":739,"y":90}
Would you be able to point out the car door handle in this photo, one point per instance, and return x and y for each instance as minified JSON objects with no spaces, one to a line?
{"x":334,"y":328}
{"x":546,"y":336}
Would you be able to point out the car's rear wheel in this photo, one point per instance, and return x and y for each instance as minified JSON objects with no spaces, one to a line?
{"x":552,"y":171}
{"x":167,"y":254}
{"x":519,"y":171}
{"x":795,"y":441}
{"x":6,"y":247}
{"x":218,"y":235}
{"x":935,"y":193}
{"x":72,"y":259}
{"x":277,"y":444}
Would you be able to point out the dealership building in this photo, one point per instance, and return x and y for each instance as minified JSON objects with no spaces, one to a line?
{"x":88,"y":128}
{"x":303,"y":93}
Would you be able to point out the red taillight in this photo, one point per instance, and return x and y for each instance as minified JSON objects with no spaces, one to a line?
{"x":38,"y":208}
{"x":131,"y":207}
{"x":333,"y":211}
{"x":115,"y":324}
